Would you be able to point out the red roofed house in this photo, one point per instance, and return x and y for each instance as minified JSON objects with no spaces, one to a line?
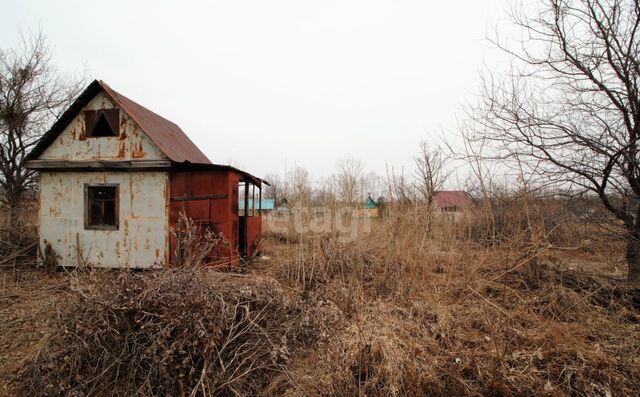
{"x":452,"y":200}
{"x":115,"y":177}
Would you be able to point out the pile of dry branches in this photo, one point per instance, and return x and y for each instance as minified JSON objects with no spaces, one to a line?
{"x":184,"y":332}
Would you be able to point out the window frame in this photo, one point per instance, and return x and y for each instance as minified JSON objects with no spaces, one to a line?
{"x":87,"y":207}
{"x":252,"y":199}
{"x":110,"y":115}
{"x":242,"y":192}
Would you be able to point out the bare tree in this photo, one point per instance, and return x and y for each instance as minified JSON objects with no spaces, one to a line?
{"x":32,"y":95}
{"x":570,"y":106}
{"x":350,"y":179}
{"x":399,"y":187}
{"x":299,"y":186}
{"x":373,"y":185}
{"x":275,"y":190}
{"x":430,"y":177}
{"x":430,"y":174}
{"x":325,"y":192}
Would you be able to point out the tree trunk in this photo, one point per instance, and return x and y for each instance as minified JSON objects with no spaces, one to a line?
{"x":633,"y":257}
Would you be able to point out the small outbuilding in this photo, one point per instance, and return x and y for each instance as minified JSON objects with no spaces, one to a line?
{"x":115,"y":178}
{"x":371,"y":207}
{"x":452,"y":200}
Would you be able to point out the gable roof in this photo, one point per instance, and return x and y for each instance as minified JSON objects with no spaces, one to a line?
{"x":370,"y":203}
{"x":169,"y":138}
{"x":452,"y":199}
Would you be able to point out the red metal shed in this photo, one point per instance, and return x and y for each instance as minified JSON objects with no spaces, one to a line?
{"x":210,"y":194}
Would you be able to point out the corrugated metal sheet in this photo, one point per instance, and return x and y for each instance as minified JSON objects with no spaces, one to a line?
{"x":169,"y":138}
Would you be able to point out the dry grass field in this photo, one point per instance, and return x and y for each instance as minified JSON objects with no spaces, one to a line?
{"x":396,"y":311}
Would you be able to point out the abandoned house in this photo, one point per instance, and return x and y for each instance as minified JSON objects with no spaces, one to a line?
{"x":116,"y":177}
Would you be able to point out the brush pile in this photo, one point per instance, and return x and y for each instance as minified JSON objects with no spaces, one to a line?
{"x":187,"y":332}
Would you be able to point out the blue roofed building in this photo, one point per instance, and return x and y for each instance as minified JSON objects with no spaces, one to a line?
{"x":264,"y":205}
{"x":370,"y":207}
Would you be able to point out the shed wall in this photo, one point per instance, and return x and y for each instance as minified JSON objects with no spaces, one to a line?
{"x":207,"y":198}
{"x":254,"y":235}
{"x":142,"y":238}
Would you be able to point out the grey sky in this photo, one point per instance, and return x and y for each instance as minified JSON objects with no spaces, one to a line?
{"x":258,"y":82}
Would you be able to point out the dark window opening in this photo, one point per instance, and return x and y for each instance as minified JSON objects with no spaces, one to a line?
{"x":102,"y":128}
{"x":102,"y":123}
{"x":101,"y":207}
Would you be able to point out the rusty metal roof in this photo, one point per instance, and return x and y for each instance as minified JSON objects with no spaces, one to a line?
{"x":205,"y":167}
{"x":169,"y":138}
{"x":452,"y":199}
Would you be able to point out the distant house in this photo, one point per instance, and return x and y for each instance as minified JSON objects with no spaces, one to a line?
{"x":282,"y":205}
{"x":452,"y":200}
{"x":371,"y":207}
{"x":263,"y":206}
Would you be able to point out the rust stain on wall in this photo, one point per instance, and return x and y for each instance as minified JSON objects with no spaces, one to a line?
{"x":123,"y":128}
{"x":121,"y":150}
{"x":138,"y":151}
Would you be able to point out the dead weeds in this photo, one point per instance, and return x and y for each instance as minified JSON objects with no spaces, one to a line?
{"x":392,"y":313}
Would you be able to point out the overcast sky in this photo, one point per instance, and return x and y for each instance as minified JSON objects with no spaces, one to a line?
{"x":258,"y":83}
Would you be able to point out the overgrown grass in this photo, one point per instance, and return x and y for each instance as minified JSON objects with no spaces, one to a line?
{"x":403,"y":310}
{"x":441,"y":312}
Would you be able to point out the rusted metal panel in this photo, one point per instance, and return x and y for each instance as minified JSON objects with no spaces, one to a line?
{"x":141,"y":240}
{"x":73,"y":144}
{"x":254,"y":234}
{"x":198,"y":210}
{"x":219,"y":211}
{"x":166,"y":136}
{"x":180,"y":183}
{"x":206,"y":197}
{"x":202,"y":183}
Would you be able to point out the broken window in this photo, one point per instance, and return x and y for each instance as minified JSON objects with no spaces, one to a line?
{"x":102,"y":123}
{"x":101,"y":207}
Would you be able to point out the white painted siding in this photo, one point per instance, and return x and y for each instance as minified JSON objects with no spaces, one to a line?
{"x":73,"y":143}
{"x":142,"y":239}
